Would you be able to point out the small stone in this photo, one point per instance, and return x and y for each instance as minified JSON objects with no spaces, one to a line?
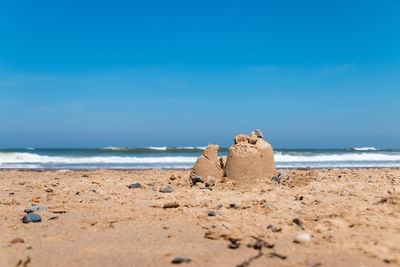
{"x":17,"y":240}
{"x":274,"y":228}
{"x":258,"y":133}
{"x":179,"y":260}
{"x":31,"y":217}
{"x":49,"y":190}
{"x":276,"y":179}
{"x":312,"y":263}
{"x":233,"y":206}
{"x":297,"y":222}
{"x":212,"y":213}
{"x":196,"y":179}
{"x":166,"y":189}
{"x":302,"y":238}
{"x":34,"y":208}
{"x":172,"y":177}
{"x":219,"y":206}
{"x":171,"y":205}
{"x":135,"y":185}
{"x":234,"y":244}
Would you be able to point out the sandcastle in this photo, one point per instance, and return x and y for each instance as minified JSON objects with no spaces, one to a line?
{"x":250,"y":160}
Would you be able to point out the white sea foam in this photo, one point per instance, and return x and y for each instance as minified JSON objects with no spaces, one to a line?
{"x":280,"y":157}
{"x":161,"y":148}
{"x":192,"y":147}
{"x":34,"y":158}
{"x":367,"y":148}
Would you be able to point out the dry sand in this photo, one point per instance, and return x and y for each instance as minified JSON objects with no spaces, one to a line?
{"x":94,"y":219}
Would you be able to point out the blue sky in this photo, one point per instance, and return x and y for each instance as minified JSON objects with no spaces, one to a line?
{"x":139,"y":73}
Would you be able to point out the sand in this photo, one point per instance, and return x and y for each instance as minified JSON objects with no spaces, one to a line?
{"x":350,"y":216}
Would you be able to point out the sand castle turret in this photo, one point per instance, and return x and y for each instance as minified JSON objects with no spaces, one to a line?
{"x":250,"y":159}
{"x":208,"y":164}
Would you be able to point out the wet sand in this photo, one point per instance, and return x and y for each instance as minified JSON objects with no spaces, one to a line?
{"x":92,"y":218}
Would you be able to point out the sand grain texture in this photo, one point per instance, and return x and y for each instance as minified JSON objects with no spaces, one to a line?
{"x":92,"y":218}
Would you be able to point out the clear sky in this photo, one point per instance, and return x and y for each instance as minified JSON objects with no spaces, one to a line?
{"x":138,"y":73}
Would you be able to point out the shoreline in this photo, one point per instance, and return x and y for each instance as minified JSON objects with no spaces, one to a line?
{"x":185,"y":169}
{"x":92,"y":218}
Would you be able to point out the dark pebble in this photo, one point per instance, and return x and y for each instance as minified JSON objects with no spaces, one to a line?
{"x":197,"y":179}
{"x":31,"y":217}
{"x":166,"y":189}
{"x":298,"y":222}
{"x":49,"y":190}
{"x":234,"y":244}
{"x":34,"y":208}
{"x":135,"y":185}
{"x":212,"y":213}
{"x":179,"y":260}
{"x":171,"y":205}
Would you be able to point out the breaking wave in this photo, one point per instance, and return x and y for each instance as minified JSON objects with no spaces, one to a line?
{"x":367,"y":148}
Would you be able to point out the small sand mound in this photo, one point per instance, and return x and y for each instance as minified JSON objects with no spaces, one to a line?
{"x":208,"y":164}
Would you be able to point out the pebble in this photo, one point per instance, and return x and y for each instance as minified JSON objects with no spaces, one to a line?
{"x":197,"y":179}
{"x":170,"y":205}
{"x":31,"y":217}
{"x":17,"y":240}
{"x":49,"y":190}
{"x":234,"y":244}
{"x":135,"y":185}
{"x":298,"y":222}
{"x":302,"y":238}
{"x":274,"y":228}
{"x":166,"y":189}
{"x":212,"y":213}
{"x":172,"y":177}
{"x":179,"y":260}
{"x":34,"y":208}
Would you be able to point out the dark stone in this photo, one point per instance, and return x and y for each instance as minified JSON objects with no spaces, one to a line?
{"x":166,"y":189}
{"x":297,"y":222}
{"x":276,"y":179}
{"x":220,"y":206}
{"x":179,"y":260}
{"x":212,"y":213}
{"x":234,"y":244}
{"x":49,"y":190}
{"x":31,"y":217}
{"x":171,"y":205}
{"x":34,"y":208}
{"x":135,"y":185}
{"x":234,"y":206}
{"x":197,"y":179}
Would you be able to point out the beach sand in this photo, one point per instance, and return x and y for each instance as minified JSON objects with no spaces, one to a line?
{"x":92,"y":218}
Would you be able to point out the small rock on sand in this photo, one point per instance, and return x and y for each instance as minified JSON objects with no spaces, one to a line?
{"x":135,"y":185}
{"x":179,"y":260}
{"x":166,"y":189}
{"x":302,"y":238}
{"x":212,"y":213}
{"x":31,"y":217}
{"x":171,"y":205}
{"x":196,"y":179}
{"x":17,"y":240}
{"x":34,"y":208}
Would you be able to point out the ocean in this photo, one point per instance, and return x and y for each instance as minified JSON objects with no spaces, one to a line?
{"x":184,"y":157}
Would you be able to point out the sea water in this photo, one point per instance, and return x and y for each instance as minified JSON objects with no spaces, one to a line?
{"x":184,"y":157}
